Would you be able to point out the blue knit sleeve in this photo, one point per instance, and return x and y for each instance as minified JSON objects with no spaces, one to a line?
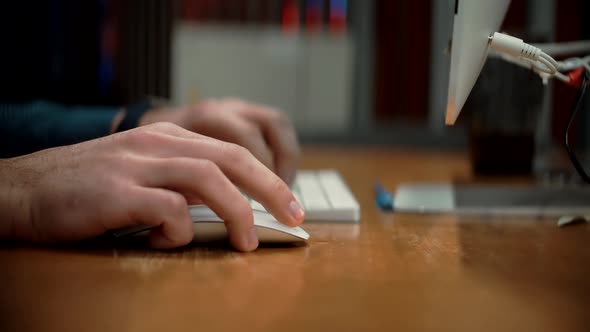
{"x":29,"y":127}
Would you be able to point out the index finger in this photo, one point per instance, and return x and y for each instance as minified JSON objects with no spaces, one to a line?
{"x":255,"y":179}
{"x":243,"y":169}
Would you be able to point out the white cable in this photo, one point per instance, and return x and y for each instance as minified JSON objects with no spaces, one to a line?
{"x":550,"y":59}
{"x":519,"y":61}
{"x":530,"y":64}
{"x":550,"y":69}
{"x":513,"y":46}
{"x":565,"y":48}
{"x":562,"y":77}
{"x":517,"y":51}
{"x":573,"y":63}
{"x":518,"y":48}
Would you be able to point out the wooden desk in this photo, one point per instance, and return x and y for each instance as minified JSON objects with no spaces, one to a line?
{"x":390,"y":273}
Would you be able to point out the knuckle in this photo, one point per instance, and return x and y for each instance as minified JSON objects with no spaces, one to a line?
{"x":176,"y":203}
{"x":251,"y":131}
{"x":233,"y":100}
{"x":208,"y":168}
{"x":279,"y":117}
{"x":206,"y":105}
{"x":236,"y":153}
{"x":144,"y":137}
{"x":165,"y":127}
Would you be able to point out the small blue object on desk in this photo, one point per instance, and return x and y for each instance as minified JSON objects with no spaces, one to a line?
{"x":383,"y":198}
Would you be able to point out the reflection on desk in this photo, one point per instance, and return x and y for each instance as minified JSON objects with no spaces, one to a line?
{"x":391,"y":272}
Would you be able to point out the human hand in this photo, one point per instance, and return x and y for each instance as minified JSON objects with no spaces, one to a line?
{"x":267,"y":133}
{"x":144,"y":176}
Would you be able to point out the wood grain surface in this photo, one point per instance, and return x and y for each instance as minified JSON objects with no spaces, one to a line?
{"x":391,"y":272}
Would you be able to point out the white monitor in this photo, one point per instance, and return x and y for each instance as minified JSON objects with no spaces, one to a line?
{"x":474,"y":22}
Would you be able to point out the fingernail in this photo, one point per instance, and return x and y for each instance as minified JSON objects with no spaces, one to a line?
{"x":252,"y":239}
{"x":296,"y":211}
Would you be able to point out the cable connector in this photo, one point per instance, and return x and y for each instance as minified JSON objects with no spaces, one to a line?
{"x":514,"y":46}
{"x":541,"y":62}
{"x":575,"y":77}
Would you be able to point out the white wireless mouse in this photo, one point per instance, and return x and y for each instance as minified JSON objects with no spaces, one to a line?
{"x":208,"y":227}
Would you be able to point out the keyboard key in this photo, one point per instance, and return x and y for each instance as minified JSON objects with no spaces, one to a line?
{"x":324,"y":196}
{"x":311,"y":192}
{"x":336,"y":191}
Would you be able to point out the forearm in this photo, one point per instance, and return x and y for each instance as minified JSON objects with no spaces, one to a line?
{"x":14,"y":204}
{"x":26,"y":128}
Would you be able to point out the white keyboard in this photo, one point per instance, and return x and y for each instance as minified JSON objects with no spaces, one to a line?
{"x":324,"y":196}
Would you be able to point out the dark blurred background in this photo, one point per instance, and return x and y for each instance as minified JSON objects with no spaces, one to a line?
{"x":356,"y":71}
